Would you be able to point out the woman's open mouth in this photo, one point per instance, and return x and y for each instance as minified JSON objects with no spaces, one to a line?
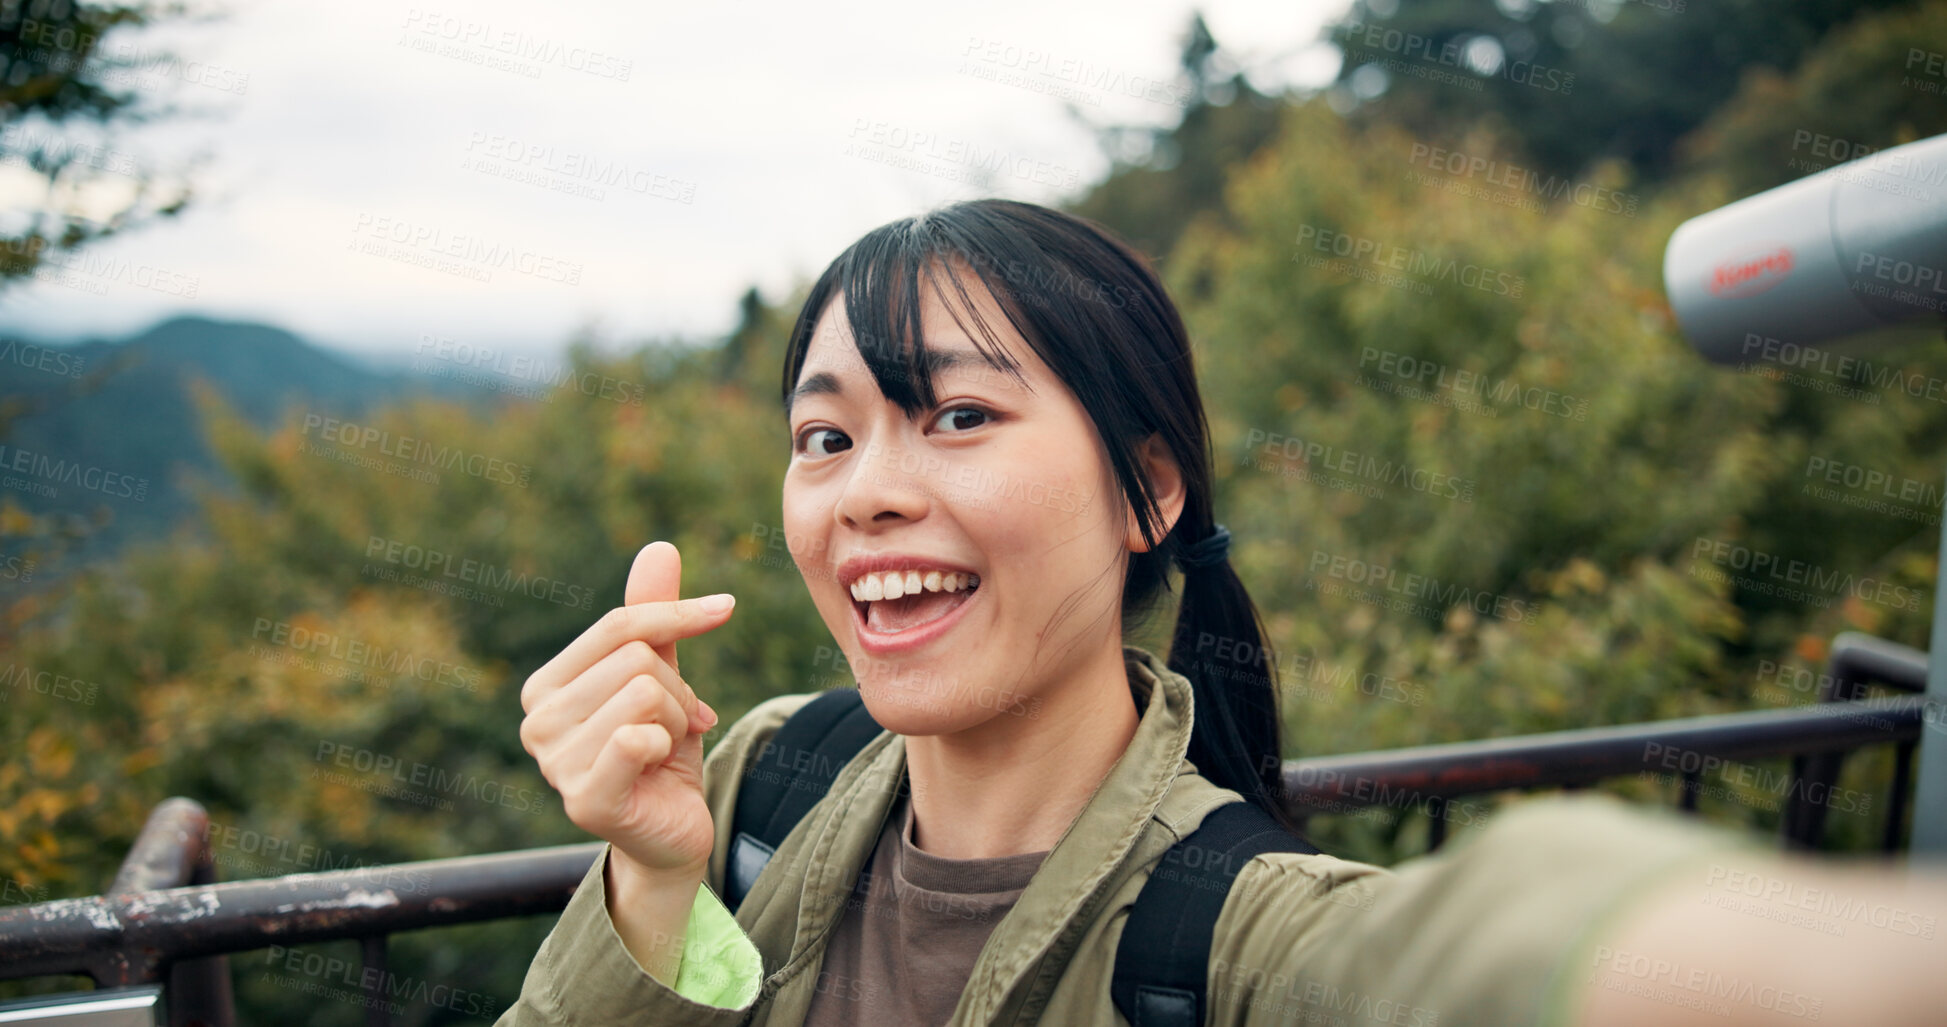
{"x":920,"y":602}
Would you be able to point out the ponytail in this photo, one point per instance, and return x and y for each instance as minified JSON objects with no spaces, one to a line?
{"x":1236,"y":738}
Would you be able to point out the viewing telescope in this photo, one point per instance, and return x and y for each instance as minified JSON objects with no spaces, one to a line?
{"x":1776,"y":276}
{"x":1855,"y":247}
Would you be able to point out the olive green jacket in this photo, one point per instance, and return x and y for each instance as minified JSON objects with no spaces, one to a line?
{"x":1493,"y":930}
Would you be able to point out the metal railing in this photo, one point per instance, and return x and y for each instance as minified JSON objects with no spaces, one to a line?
{"x":1817,"y":737}
{"x":165,"y":920}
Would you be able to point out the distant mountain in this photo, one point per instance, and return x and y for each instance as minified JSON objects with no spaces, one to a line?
{"x":112,"y":423}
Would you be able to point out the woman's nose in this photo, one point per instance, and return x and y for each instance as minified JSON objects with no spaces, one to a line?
{"x":887,"y":481}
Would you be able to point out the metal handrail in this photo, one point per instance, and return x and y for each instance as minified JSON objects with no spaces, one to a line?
{"x":129,"y":937}
{"x":1405,"y":777}
{"x":171,"y":851}
{"x":1857,"y":660}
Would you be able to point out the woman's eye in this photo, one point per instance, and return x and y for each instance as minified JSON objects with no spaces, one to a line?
{"x":809,"y":442}
{"x":962,"y":418}
{"x":826,"y":441}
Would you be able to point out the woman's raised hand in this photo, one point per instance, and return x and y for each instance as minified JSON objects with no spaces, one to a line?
{"x":619,"y":734}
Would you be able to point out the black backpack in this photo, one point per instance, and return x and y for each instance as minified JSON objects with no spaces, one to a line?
{"x":1162,"y":962}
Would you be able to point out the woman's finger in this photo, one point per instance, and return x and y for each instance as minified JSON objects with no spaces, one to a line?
{"x":656,"y":576}
{"x":656,"y":624}
{"x":641,"y":700}
{"x":625,"y":755}
{"x":571,"y":704}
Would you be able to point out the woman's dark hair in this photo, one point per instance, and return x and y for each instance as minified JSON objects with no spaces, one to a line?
{"x":1097,"y":315}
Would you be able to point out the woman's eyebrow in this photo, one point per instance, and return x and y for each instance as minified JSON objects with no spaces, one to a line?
{"x":938,"y":361}
{"x":821,"y":384}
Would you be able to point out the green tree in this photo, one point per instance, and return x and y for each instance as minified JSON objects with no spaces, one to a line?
{"x":64,"y":98}
{"x":1873,"y":84}
{"x":59,"y":65}
{"x":1468,"y":450}
{"x":1644,"y":73}
{"x":1163,"y":178}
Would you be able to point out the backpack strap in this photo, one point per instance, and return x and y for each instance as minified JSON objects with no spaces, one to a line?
{"x":794,"y":770}
{"x":1162,"y":963}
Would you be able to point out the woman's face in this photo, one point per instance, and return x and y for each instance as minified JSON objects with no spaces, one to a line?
{"x":1005,"y":486}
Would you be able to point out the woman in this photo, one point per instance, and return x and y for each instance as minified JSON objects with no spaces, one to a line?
{"x":997,"y":452}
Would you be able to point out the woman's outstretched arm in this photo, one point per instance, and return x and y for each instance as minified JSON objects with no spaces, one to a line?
{"x":1762,"y":939}
{"x":1578,"y":910}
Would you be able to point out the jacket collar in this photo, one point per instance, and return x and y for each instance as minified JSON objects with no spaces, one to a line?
{"x":1095,"y":852}
{"x":1109,"y":840}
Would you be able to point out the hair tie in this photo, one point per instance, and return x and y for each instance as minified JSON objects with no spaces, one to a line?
{"x":1213,"y":550}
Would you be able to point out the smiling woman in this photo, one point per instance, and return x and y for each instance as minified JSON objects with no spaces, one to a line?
{"x":952,"y":380}
{"x":1018,"y":358}
{"x":998,"y":450}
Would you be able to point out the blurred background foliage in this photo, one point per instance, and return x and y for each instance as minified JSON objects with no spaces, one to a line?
{"x":64,"y":69}
{"x":1589,"y":522}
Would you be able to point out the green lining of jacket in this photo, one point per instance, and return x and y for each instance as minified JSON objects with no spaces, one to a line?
{"x":720,"y":965}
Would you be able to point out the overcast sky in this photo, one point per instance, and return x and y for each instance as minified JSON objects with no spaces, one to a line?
{"x":502,"y":173}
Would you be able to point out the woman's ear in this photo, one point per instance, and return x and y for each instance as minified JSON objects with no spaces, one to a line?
{"x":1166,"y":482}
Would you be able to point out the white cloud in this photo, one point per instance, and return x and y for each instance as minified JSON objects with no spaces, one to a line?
{"x":368,"y":109}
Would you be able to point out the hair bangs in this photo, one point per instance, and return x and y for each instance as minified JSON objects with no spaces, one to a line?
{"x":879,"y":281}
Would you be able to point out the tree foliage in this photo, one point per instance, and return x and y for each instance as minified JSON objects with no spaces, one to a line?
{"x":1643,"y":73}
{"x":64,"y":67}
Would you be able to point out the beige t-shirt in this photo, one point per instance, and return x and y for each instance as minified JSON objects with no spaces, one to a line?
{"x":911,"y":931}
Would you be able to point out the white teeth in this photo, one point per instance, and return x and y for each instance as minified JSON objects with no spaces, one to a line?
{"x":893,"y":584}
